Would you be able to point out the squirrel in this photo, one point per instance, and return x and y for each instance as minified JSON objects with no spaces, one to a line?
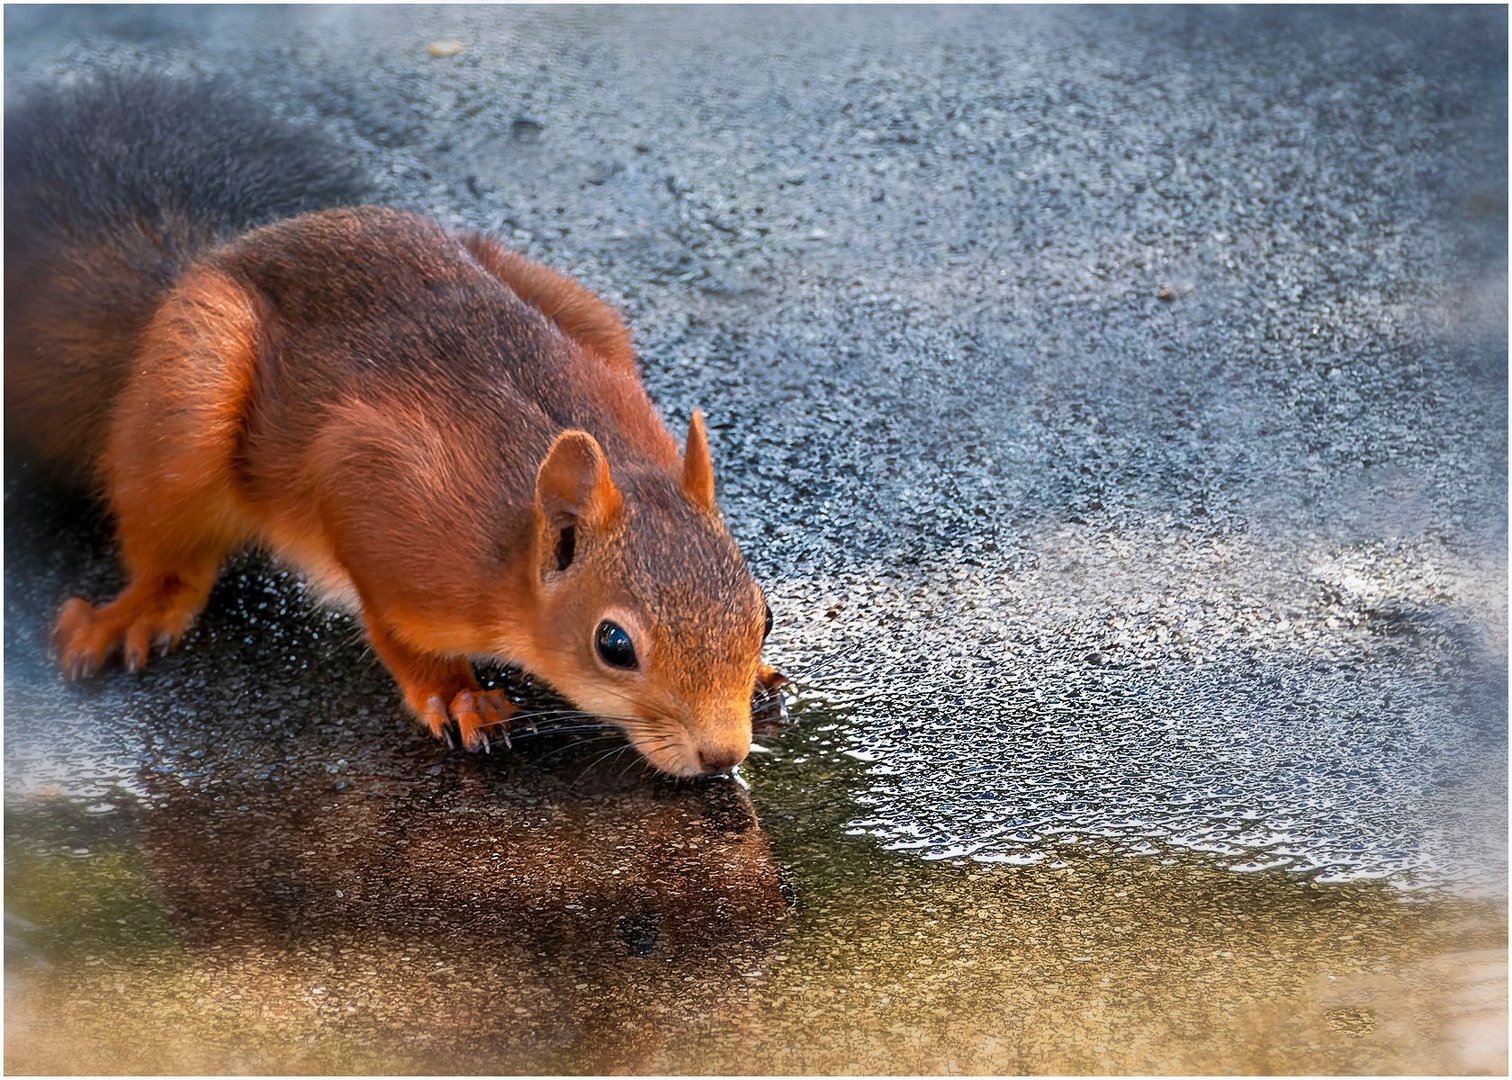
{"x":206,"y":326}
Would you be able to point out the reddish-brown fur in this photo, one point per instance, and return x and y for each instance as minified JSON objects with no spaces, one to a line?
{"x":576,"y":311}
{"x":413,"y":418}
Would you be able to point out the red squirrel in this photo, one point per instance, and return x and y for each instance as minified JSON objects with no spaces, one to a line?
{"x":442,"y":435}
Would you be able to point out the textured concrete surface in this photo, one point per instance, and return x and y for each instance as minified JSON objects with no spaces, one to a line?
{"x":1114,"y":401}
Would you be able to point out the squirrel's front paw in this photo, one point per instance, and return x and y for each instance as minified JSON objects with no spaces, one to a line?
{"x":474,"y":713}
{"x":769,"y":678}
{"x":769,"y":713}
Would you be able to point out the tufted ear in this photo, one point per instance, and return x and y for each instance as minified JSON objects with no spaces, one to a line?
{"x":698,"y":471}
{"x":574,"y":491}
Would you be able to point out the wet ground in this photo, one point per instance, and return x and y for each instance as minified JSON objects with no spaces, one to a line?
{"x":1115,"y":404}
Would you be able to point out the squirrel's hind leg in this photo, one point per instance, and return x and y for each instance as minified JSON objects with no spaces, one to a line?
{"x":153,"y":611}
{"x":169,"y":474}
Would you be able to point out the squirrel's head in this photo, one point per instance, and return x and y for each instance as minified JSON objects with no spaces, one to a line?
{"x":646,"y":612}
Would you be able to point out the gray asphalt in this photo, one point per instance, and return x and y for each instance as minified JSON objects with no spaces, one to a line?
{"x":1114,"y":401}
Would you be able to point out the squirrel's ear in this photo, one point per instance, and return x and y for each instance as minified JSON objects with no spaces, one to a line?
{"x":698,"y":471}
{"x":573,"y":486}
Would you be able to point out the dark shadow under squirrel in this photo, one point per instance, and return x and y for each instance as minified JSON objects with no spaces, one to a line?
{"x":441,"y":435}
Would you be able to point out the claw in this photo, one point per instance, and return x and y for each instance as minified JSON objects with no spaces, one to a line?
{"x":465,"y":720}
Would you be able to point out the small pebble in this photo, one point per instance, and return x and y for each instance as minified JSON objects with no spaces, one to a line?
{"x":524,"y":129}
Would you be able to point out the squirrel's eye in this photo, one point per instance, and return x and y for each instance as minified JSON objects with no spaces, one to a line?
{"x":613,"y":645}
{"x":768,"y":631}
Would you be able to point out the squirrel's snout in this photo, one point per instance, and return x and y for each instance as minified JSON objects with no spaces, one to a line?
{"x":720,"y":759}
{"x":694,"y":756}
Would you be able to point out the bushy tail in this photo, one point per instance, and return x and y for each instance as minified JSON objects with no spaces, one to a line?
{"x":111,"y":187}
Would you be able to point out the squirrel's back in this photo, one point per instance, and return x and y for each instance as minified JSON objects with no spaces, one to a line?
{"x":112,"y":186}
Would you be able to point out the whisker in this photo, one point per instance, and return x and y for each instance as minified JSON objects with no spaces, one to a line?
{"x":632,"y":763}
{"x":566,"y":748}
{"x":563,"y":730}
{"x":602,"y":757}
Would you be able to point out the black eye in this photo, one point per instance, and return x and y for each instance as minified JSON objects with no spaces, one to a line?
{"x":768,"y":631}
{"x":613,"y":645}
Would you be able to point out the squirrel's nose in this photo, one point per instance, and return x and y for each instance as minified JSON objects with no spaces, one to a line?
{"x":720,"y":760}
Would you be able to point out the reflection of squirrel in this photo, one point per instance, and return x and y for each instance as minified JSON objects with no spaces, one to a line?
{"x":442,"y":434}
{"x":607,"y":913}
